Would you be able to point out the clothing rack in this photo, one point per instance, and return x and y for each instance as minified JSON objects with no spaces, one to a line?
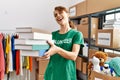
{"x":13,"y":32}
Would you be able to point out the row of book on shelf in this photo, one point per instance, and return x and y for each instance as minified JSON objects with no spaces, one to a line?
{"x":32,"y":41}
{"x":111,"y":24}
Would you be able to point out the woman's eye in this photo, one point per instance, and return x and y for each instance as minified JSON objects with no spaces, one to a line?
{"x":55,"y":15}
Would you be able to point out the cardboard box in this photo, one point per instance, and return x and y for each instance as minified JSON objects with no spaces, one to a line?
{"x":42,"y":64}
{"x":40,"y":77}
{"x":81,"y":8}
{"x":73,"y":11}
{"x":79,"y":63}
{"x":109,"y":38}
{"x":91,"y":52}
{"x":99,"y":76}
{"x":98,"y":5}
{"x":83,"y":27}
{"x":84,"y":68}
{"x":84,"y":21}
{"x":78,"y":9}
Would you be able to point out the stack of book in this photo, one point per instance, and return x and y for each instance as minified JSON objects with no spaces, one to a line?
{"x":32,"y":41}
{"x":111,"y":24}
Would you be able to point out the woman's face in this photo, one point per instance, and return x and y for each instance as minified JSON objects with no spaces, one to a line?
{"x":61,"y":17}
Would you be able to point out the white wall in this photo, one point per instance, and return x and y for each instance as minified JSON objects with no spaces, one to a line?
{"x":34,"y":13}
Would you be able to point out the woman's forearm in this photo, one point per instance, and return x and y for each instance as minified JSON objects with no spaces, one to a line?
{"x":72,"y":55}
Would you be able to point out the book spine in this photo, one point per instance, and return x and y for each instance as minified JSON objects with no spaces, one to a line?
{"x":40,"y":47}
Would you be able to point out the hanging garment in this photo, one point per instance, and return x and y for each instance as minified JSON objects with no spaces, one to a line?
{"x":2,"y":62}
{"x":16,"y":57}
{"x":4,"y":49}
{"x":26,"y":62}
{"x":13,"y":52}
{"x":7,"y":53}
{"x":30,"y":64}
{"x":17,"y":62}
{"x":10,"y":56}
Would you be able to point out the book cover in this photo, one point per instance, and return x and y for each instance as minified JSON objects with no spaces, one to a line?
{"x":31,"y":53}
{"x":30,"y":29}
{"x":32,"y":47}
{"x":35,"y":35}
{"x":31,"y":41}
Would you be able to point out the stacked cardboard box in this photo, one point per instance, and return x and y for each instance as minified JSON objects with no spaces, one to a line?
{"x":98,"y":5}
{"x":109,"y":38}
{"x":42,"y":64}
{"x":84,"y":27}
{"x":92,"y":6}
{"x":81,"y":64}
{"x":78,"y":9}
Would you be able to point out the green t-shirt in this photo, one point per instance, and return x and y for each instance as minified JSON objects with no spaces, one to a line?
{"x":60,"y":68}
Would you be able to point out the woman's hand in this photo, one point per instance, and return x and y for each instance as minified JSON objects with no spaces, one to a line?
{"x":53,"y":50}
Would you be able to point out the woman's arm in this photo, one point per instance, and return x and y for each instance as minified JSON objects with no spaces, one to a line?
{"x":70,"y":55}
{"x":66,"y":54}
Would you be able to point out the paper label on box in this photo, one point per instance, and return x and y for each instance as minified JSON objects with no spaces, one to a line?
{"x":98,"y":79}
{"x":73,"y":11}
{"x":104,"y":39}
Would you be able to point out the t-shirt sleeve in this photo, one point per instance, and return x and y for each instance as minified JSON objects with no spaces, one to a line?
{"x":78,"y":39}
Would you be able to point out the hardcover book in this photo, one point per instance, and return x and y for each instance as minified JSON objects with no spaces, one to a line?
{"x":35,"y":35}
{"x":32,"y":47}
{"x":31,"y":53}
{"x":30,"y":42}
{"x":30,"y":29}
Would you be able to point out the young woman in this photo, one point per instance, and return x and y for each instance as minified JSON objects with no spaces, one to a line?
{"x":64,"y":50}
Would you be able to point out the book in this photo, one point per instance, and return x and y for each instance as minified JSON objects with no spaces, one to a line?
{"x":30,"y":29}
{"x":35,"y":35}
{"x":112,"y":22}
{"x":32,"y":47}
{"x":111,"y":27}
{"x":31,"y":42}
{"x":31,"y":53}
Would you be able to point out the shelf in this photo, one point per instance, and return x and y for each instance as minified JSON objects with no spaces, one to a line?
{"x":82,"y":56}
{"x":105,"y":12}
{"x":78,"y":17}
{"x":115,"y":49}
{"x":91,"y":42}
{"x":102,"y":47}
